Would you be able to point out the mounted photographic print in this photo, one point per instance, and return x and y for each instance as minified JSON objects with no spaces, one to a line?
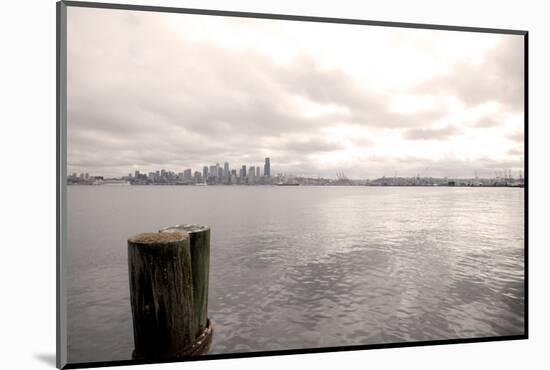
{"x":238,"y":184}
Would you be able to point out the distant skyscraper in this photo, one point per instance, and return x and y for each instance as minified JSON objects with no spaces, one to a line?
{"x":267,"y":168}
{"x":243,"y":169}
{"x":187,"y":174}
{"x":205,"y":172}
{"x":258,"y":171}
{"x":226,"y":179}
{"x":251,"y":176}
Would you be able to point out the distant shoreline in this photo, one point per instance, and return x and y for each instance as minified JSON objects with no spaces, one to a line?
{"x":311,"y":185}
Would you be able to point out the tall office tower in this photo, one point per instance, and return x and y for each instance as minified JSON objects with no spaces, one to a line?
{"x":257,"y":171}
{"x":226,"y":174}
{"x":220,"y":174}
{"x":243,"y":169}
{"x":225,"y":169}
{"x":205,"y":172}
{"x":213,"y":172}
{"x":187,"y":174}
{"x":251,"y":176}
{"x":267,"y":168}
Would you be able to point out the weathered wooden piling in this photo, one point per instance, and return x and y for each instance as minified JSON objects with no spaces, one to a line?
{"x":168,"y":274}
{"x":199,"y":236}
{"x":161,"y":294}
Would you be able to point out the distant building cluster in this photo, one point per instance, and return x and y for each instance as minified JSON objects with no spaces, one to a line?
{"x":506,"y":180}
{"x":84,"y":179}
{"x":210,"y":175}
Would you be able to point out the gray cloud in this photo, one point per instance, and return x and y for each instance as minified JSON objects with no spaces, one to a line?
{"x":141,"y":96}
{"x":498,"y":78}
{"x":309,"y":145}
{"x":182,"y":110}
{"x":431,"y":133}
{"x":337,"y":87}
{"x":517,"y":137}
{"x":516,"y":151}
{"x":487,"y":122}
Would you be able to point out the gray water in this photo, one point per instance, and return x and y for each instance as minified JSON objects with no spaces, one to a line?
{"x":308,"y":267}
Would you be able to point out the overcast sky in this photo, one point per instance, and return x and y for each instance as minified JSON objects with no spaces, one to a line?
{"x":148,"y":91}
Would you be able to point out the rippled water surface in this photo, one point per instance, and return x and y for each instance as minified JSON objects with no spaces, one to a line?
{"x":303,"y":267}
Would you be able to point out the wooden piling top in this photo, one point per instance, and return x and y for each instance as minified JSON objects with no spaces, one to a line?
{"x":164,"y":237}
{"x":186,"y":228}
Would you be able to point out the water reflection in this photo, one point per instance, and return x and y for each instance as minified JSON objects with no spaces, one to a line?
{"x":309,"y":267}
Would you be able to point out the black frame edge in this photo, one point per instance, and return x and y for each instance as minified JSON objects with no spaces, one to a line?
{"x":57,"y":157}
{"x":526,"y":183}
{"x":61,"y":89}
{"x":227,"y":13}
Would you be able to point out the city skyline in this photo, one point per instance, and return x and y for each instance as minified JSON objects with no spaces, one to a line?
{"x":149,"y":91}
{"x":218,"y":174}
